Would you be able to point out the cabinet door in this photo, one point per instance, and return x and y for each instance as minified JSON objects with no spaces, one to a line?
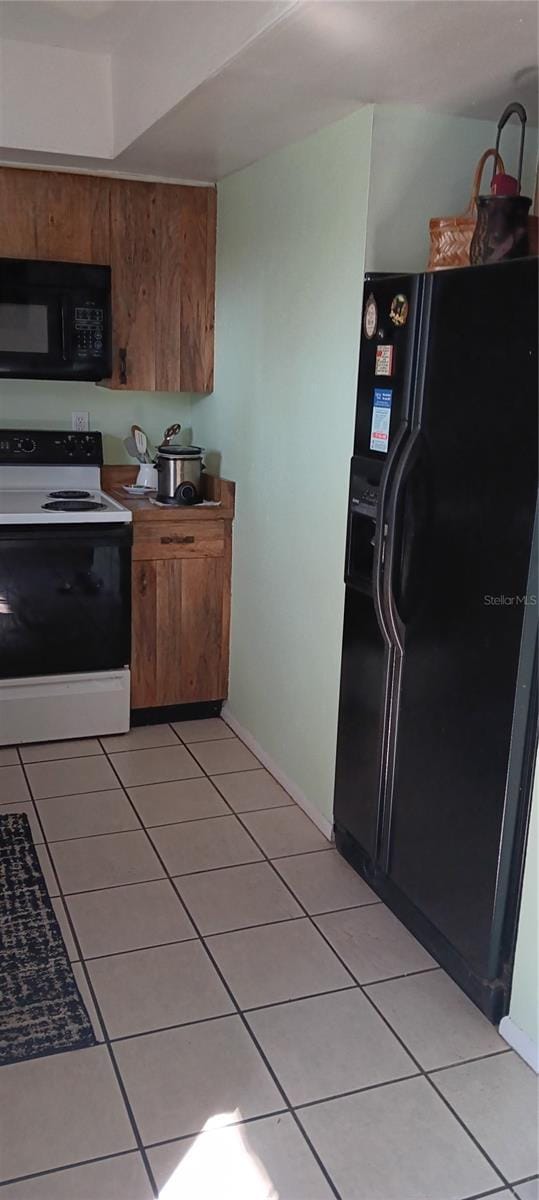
{"x":53,"y":215}
{"x":189,"y":630}
{"x":21,"y":199}
{"x":179,"y":618}
{"x":186,"y":288}
{"x":133,"y":256}
{"x":144,"y":634}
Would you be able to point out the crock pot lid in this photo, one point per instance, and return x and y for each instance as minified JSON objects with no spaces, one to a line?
{"x":181,"y":451}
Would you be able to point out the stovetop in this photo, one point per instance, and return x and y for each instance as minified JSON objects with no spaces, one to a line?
{"x":54,"y":478}
{"x":36,"y":506}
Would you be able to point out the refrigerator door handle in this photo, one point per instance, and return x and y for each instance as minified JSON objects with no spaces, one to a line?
{"x":405,"y":464}
{"x":381,"y":536}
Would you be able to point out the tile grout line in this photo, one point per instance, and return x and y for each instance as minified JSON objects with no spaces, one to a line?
{"x":125,"y":1037}
{"x":81,"y":837}
{"x":106,"y":1039}
{"x":465,"y":1062}
{"x":83,"y":1162}
{"x":140,"y":949}
{"x":249,"y":1031}
{"x":221,"y":933}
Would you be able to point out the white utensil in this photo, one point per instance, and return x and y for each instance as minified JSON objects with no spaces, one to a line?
{"x":147,"y":476}
{"x":130,"y":445}
{"x":141,"y":442}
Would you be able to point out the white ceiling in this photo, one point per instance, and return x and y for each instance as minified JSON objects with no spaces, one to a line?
{"x":97,"y":25}
{"x":201,"y":88}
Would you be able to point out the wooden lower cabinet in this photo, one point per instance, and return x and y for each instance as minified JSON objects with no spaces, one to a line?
{"x":181,"y":569}
{"x":180,"y":628}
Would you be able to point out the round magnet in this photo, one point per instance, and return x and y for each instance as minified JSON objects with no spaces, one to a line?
{"x":370,"y":318}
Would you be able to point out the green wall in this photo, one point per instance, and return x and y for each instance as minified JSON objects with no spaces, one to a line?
{"x":291,"y":236}
{"x":30,"y":403}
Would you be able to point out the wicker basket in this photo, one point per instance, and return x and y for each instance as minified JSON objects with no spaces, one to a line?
{"x":450,"y":237}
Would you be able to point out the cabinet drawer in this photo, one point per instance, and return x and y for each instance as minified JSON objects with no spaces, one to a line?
{"x":184,"y":539}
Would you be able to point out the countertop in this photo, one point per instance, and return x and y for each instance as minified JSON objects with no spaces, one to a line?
{"x":113,"y":477}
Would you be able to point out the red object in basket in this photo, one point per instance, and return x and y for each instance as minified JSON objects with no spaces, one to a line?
{"x":505,"y":185}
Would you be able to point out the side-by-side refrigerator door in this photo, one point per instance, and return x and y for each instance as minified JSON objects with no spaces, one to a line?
{"x":390,"y":319}
{"x":462,"y":518}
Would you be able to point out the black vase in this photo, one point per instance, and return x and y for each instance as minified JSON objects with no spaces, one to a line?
{"x":502,"y":229}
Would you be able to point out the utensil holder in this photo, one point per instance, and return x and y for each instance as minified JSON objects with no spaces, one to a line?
{"x":147,"y":476}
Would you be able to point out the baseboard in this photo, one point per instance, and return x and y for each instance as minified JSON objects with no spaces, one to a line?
{"x":520,"y":1042}
{"x":175,"y":712}
{"x":293,"y":790}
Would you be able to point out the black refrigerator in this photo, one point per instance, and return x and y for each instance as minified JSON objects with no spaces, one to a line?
{"x":438,"y":700}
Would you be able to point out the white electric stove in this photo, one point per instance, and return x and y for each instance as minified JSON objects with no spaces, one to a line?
{"x":65,"y":590}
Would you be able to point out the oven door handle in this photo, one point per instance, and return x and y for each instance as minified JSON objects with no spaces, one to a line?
{"x":98,"y":534}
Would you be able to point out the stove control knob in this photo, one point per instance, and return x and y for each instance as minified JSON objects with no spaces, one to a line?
{"x":27,"y":445}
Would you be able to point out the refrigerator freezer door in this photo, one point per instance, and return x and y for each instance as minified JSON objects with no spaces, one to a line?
{"x":477,"y":411}
{"x":388,"y":346}
{"x":390,"y":320}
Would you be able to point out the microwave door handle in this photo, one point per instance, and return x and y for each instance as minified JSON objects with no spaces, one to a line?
{"x":64,"y":306}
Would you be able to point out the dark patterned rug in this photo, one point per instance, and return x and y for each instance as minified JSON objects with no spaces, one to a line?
{"x":41,"y":1010}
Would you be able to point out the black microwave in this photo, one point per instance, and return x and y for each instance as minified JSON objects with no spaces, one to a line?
{"x":55,"y":320}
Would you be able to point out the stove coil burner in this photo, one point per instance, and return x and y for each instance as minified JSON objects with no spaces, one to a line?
{"x":70,"y":494}
{"x":74,"y":506}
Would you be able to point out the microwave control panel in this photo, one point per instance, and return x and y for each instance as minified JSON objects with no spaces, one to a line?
{"x":88,"y":331}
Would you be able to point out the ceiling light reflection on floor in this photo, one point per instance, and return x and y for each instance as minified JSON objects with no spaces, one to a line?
{"x":220,"y":1166}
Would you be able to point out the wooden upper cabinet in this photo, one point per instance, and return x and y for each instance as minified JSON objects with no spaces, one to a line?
{"x":53,"y":215}
{"x":186,"y":288}
{"x":160,"y":242}
{"x":163,"y":286}
{"x":134,"y":262}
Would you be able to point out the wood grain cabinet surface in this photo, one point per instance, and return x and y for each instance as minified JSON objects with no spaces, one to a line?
{"x":55,"y":216}
{"x":134,"y":262}
{"x":159,"y":240}
{"x":181,"y":568}
{"x":178,"y":630}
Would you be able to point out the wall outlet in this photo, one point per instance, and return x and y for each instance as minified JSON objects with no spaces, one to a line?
{"x":80,"y":422}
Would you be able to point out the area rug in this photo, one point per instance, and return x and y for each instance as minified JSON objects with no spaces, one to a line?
{"x":41,"y":1010}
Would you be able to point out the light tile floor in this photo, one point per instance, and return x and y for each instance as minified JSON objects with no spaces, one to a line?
{"x":266,"y":1028}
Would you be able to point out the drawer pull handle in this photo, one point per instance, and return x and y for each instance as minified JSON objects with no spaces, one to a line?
{"x":174,"y":538}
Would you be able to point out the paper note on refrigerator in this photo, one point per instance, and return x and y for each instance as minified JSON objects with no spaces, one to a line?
{"x":381,"y":417}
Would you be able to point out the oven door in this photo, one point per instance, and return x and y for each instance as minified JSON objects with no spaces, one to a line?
{"x":65,"y":599}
